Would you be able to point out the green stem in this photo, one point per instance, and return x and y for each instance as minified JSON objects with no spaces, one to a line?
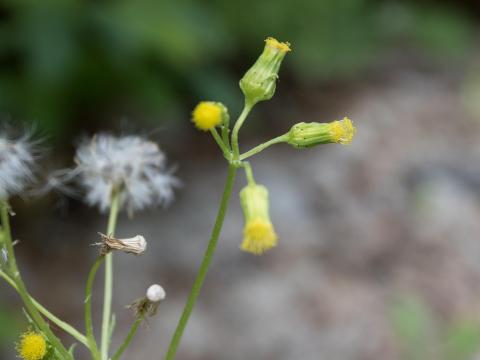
{"x":236,"y":129}
{"x":257,"y":149}
{"x":248,"y":172}
{"x":207,"y":258}
{"x":221,"y":144}
{"x":92,"y":343}
{"x":129,"y":337}
{"x":21,"y":289}
{"x":107,"y":299}
{"x":61,"y":324}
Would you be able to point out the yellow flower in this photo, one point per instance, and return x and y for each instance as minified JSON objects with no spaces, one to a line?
{"x":258,"y":236}
{"x":258,"y":233}
{"x":274,"y":43}
{"x":207,"y":115}
{"x":342,"y":131}
{"x":32,"y":346}
{"x":303,"y":135}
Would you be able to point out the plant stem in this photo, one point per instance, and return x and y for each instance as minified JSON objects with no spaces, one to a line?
{"x":92,"y":343}
{"x":257,"y":149}
{"x":69,"y":329}
{"x":248,"y":172}
{"x":221,"y":144}
{"x":129,"y":337}
{"x":236,"y":129}
{"x":207,"y":258}
{"x":21,"y":289}
{"x":107,"y":299}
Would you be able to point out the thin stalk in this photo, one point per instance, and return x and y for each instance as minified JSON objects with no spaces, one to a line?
{"x":248,"y":172}
{"x":69,"y":329}
{"x":129,"y":337}
{"x":221,"y":144}
{"x":236,"y":129}
{"x":107,"y":299}
{"x":92,"y":343}
{"x":207,"y":259}
{"x":21,"y":289}
{"x":257,"y":149}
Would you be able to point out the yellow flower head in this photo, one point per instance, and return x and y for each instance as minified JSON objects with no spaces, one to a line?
{"x":258,"y":233}
{"x":208,"y":114}
{"x":303,"y":135}
{"x":32,"y":346}
{"x":342,"y":131}
{"x":258,"y":236}
{"x":274,"y":43}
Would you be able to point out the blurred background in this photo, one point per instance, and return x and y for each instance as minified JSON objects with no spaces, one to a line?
{"x":379,"y":254}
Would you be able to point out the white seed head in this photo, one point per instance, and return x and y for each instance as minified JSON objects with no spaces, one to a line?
{"x":132,"y":164}
{"x":155,"y":293}
{"x":16,"y":164}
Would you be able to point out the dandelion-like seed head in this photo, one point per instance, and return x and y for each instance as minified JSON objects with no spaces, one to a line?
{"x":32,"y":346}
{"x":16,"y":164}
{"x":207,"y":115}
{"x":258,"y":233}
{"x":131,"y":165}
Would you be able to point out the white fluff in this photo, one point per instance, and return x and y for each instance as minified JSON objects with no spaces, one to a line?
{"x":155,"y":293}
{"x":16,"y":165}
{"x":131,"y":163}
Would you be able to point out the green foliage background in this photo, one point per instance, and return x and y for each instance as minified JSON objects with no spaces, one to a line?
{"x":68,"y":64}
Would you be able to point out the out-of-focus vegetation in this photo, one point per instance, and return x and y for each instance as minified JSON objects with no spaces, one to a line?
{"x":76,"y":62}
{"x":422,"y":337}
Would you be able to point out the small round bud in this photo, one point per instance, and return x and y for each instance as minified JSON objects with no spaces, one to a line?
{"x":155,"y":293}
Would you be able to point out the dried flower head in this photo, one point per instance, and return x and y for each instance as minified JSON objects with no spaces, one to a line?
{"x":32,"y":346}
{"x":130,"y":164}
{"x":135,"y":245}
{"x":17,"y":161}
{"x":148,"y":305}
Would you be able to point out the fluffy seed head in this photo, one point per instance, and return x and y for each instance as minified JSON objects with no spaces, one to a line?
{"x":16,"y":164}
{"x":131,"y":164}
{"x":32,"y":346}
{"x":155,"y":293}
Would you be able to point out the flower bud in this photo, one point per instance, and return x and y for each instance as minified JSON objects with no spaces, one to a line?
{"x":209,"y":114}
{"x":303,"y":135}
{"x":135,"y":245}
{"x":259,"y":81}
{"x":259,"y":234}
{"x":155,"y":293}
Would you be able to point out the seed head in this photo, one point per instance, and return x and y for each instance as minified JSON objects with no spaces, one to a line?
{"x":132,"y":165}
{"x":17,"y":161}
{"x":155,"y":293}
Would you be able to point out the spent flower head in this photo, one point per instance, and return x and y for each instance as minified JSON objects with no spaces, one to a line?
{"x":17,"y":163}
{"x":32,"y":346}
{"x":148,"y":305}
{"x":131,"y":165}
{"x":258,"y":233}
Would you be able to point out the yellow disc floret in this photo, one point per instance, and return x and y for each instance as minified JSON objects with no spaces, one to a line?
{"x":32,"y":346}
{"x":274,"y":43}
{"x":207,"y":115}
{"x":259,"y":236}
{"x":342,"y":131}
